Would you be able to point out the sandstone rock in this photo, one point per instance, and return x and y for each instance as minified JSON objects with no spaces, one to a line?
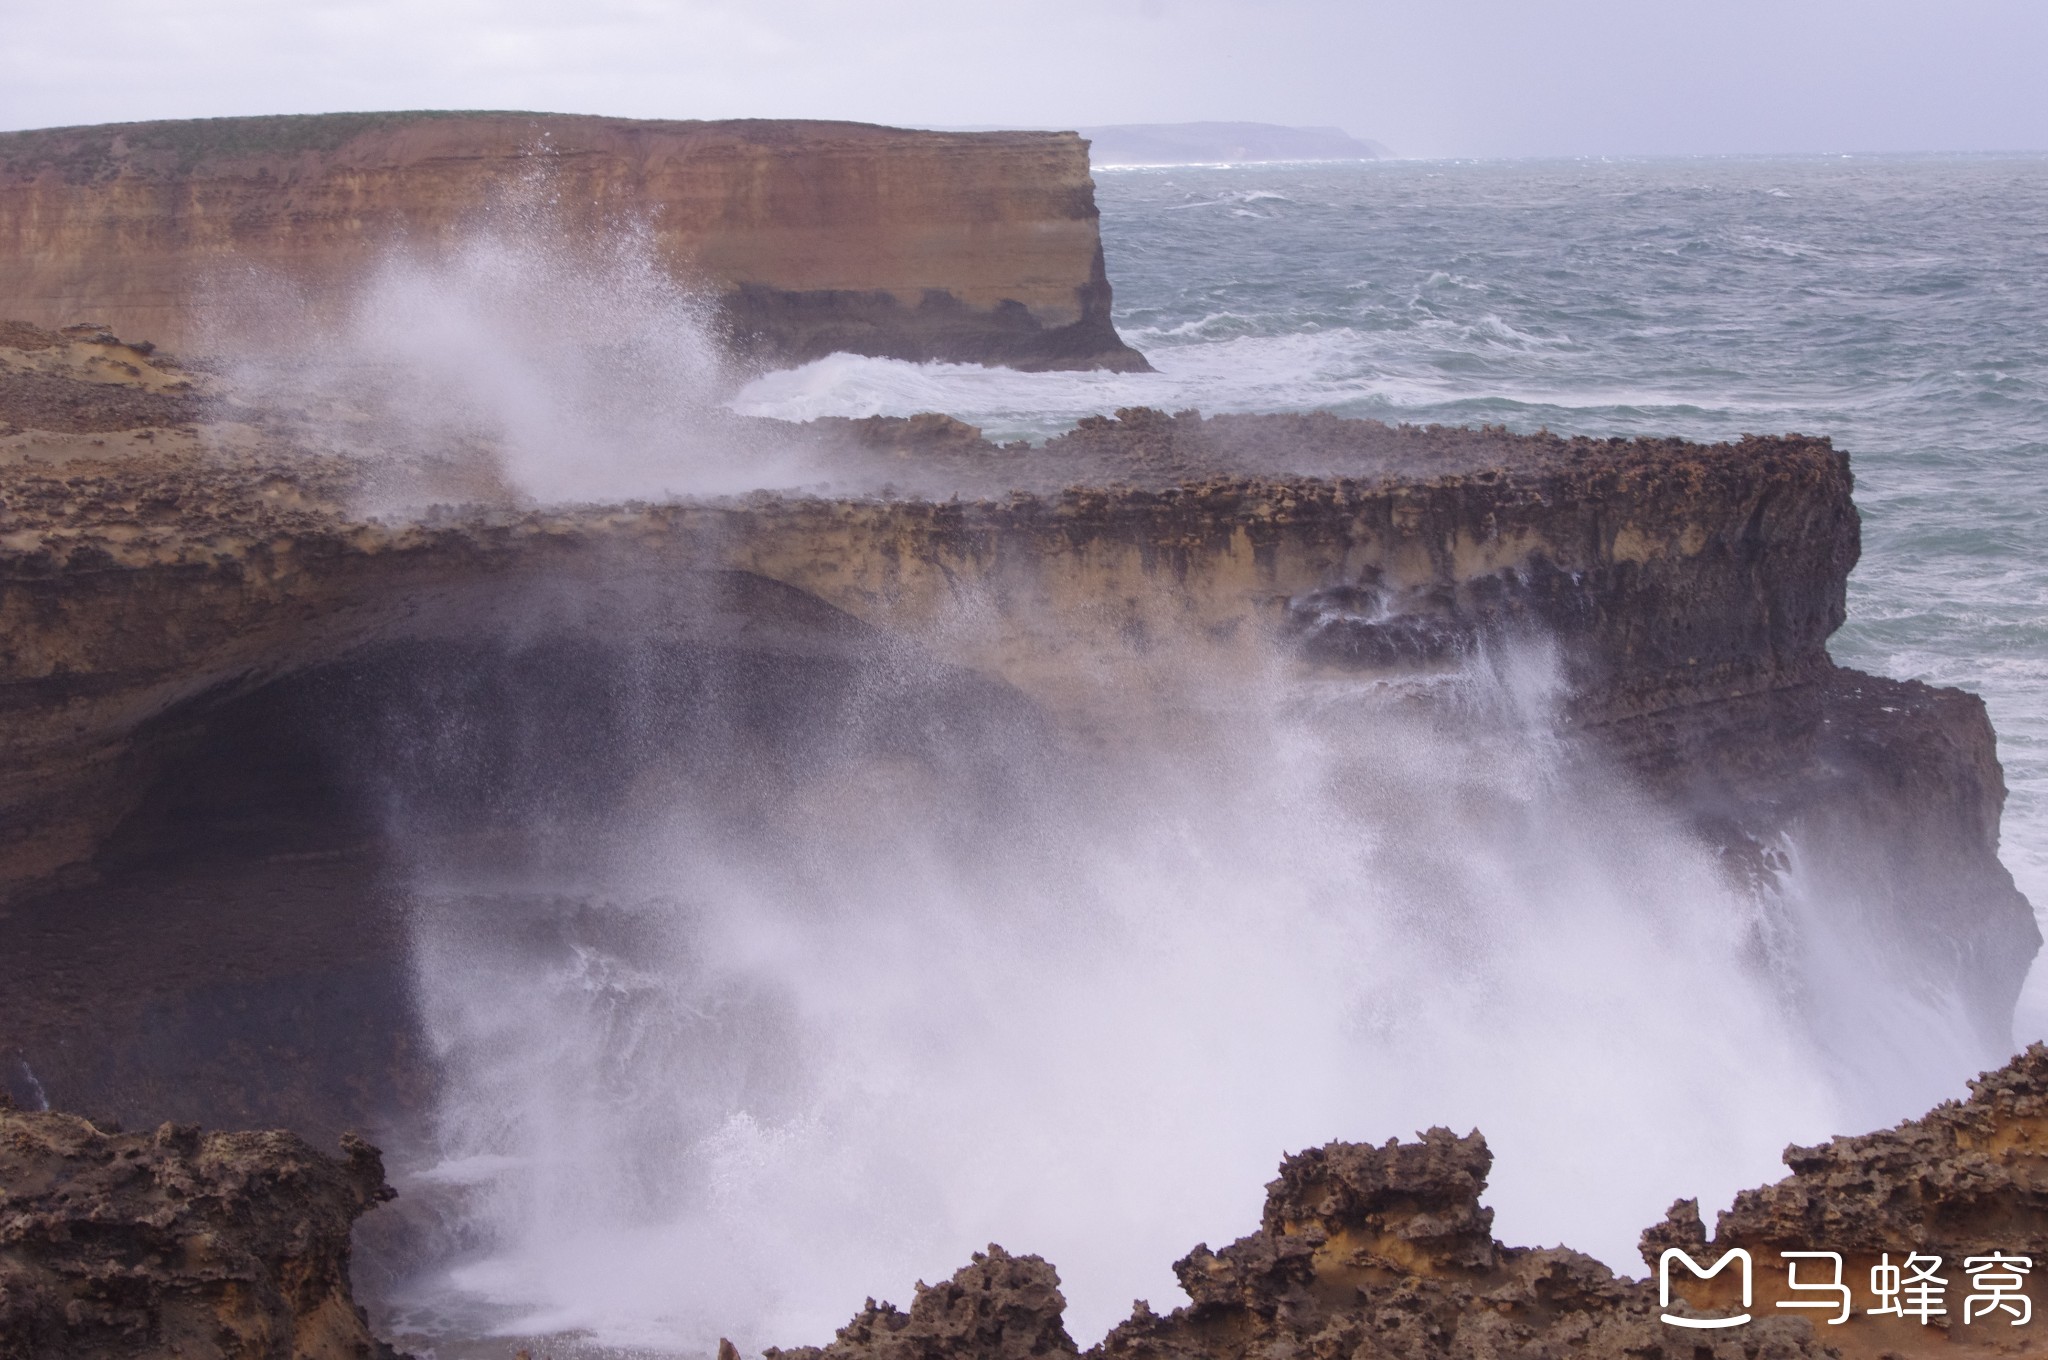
{"x":134,"y":1246}
{"x":1386,"y":1251}
{"x":814,"y":236}
{"x":168,"y":594}
{"x":997,"y":1307}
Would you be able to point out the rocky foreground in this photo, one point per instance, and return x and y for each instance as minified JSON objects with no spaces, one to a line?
{"x":119,"y":1246}
{"x":1369,"y":1252}
{"x":178,"y":1243}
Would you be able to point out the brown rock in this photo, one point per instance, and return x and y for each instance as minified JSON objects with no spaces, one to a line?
{"x":1368,"y":1252}
{"x":133,"y":1246}
{"x":162,"y":597}
{"x":815,"y":236}
{"x":997,"y":1307}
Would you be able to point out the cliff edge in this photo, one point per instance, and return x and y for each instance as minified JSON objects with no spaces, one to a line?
{"x":814,"y":237}
{"x":201,"y":619}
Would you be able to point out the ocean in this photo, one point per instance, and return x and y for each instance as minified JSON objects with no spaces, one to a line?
{"x":1896,"y":304}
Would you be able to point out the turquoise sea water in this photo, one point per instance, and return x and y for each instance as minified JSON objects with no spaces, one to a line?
{"x":1896,"y":304}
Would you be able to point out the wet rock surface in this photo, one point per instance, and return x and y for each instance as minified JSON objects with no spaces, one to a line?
{"x":165,"y":590}
{"x":126,"y":1246}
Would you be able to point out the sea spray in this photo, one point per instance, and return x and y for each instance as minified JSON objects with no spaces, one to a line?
{"x":519,"y":360}
{"x":918,"y":982}
{"x":845,"y":971}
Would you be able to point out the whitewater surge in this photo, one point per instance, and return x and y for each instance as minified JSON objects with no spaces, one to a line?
{"x":1886,"y":301}
{"x":733,"y":1079}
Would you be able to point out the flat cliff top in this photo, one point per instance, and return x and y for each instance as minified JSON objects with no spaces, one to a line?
{"x":118,"y":450}
{"x":175,"y":148}
{"x":1140,"y":449}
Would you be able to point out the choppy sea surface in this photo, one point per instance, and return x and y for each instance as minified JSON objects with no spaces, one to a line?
{"x":1896,"y":304}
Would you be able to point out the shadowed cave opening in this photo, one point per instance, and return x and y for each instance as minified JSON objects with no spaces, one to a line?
{"x":237,"y":954}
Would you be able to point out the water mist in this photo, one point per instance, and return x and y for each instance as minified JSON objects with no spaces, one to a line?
{"x":520,"y":359}
{"x":763,"y":984}
{"x":806,"y":1018}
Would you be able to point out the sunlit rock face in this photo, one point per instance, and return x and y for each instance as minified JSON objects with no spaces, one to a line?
{"x":812,"y":237}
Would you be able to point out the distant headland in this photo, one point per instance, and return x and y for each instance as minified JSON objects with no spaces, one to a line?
{"x":1224,"y":143}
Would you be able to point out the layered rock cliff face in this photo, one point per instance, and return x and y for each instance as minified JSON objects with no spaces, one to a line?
{"x":1370,"y":1252}
{"x":202,"y":625}
{"x":815,"y":237}
{"x":217,"y":1246}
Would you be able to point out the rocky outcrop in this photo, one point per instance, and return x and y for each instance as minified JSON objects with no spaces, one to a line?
{"x":1387,"y":1252}
{"x":186,"y":607}
{"x":117,"y":1245}
{"x":134,"y":1246}
{"x":815,"y":237}
{"x":997,"y":1307}
{"x":1967,"y":1180}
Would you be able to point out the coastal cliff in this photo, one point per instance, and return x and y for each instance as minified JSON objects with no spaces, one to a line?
{"x":201,"y":623}
{"x":814,"y":237}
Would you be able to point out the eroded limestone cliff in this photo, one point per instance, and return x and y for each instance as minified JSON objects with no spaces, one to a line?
{"x":198,"y":611}
{"x":816,"y":237}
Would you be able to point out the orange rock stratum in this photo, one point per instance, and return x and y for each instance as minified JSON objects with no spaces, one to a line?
{"x":815,"y":237}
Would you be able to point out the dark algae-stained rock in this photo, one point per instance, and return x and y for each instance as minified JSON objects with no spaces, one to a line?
{"x":135,"y":1246}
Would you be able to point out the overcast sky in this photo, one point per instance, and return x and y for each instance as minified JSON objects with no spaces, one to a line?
{"x":1428,"y":77}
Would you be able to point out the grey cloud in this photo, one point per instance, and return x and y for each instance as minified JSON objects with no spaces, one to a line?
{"x":1429,"y":77}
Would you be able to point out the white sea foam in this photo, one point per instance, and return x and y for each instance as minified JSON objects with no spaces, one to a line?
{"x":757,"y":1080}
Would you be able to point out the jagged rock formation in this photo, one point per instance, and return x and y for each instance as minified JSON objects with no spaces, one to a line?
{"x":184,"y":604}
{"x":1369,"y":1252}
{"x":1968,"y":1179}
{"x":997,"y":1307}
{"x":816,"y":237}
{"x":177,"y":1243}
{"x":133,"y":1246}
